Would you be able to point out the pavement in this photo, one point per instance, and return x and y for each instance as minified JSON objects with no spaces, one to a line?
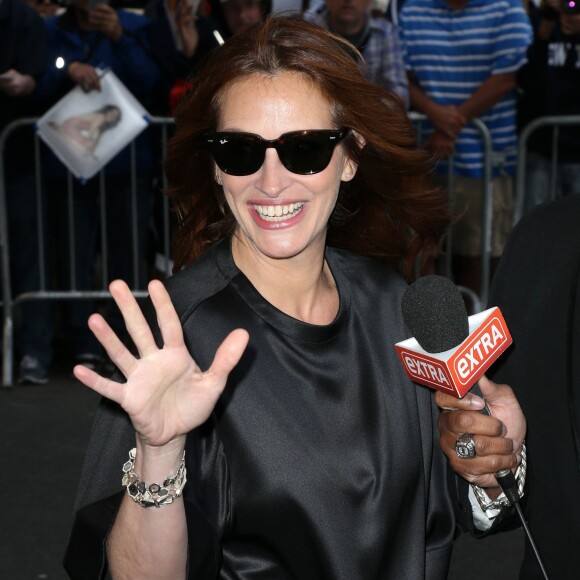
{"x":43,"y":434}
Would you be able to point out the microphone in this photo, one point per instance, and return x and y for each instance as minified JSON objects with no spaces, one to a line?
{"x":449,"y":351}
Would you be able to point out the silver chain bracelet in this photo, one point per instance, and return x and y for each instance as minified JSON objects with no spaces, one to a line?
{"x":502,"y":502}
{"x":153,"y":494}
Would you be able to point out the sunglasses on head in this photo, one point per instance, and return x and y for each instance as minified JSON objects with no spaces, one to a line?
{"x":302,"y":152}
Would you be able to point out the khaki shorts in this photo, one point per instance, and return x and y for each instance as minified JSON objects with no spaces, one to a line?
{"x":467,"y":203}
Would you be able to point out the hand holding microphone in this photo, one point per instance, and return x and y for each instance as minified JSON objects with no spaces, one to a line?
{"x":497,"y":438}
{"x":450,"y":352}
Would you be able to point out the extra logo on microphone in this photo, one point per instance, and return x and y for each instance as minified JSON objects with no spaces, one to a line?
{"x":455,"y":371}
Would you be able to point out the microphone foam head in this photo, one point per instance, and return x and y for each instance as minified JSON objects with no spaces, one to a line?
{"x":435,"y":313}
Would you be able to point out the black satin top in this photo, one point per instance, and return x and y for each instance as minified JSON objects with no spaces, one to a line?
{"x":319,"y":460}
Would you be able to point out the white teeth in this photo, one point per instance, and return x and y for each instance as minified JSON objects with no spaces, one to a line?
{"x":272,"y":213}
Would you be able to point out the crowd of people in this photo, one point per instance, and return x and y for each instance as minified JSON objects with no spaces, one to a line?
{"x":434,"y":54}
{"x":263,"y":372}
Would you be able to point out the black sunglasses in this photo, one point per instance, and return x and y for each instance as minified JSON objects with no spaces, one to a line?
{"x":302,"y":152}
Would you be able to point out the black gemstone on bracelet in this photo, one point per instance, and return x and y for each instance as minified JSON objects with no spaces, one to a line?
{"x":168,"y":481}
{"x":162,"y":492}
{"x":133,"y":489}
{"x":154,"y":488}
{"x":141,"y":487}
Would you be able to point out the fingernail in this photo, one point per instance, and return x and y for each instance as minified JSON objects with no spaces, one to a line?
{"x":477,"y":402}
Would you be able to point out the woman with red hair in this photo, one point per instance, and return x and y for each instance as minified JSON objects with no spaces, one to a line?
{"x":302,"y":451}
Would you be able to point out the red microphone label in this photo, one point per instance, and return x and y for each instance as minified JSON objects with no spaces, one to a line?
{"x":478,"y":351}
{"x":456,"y":371}
{"x":427,"y":371}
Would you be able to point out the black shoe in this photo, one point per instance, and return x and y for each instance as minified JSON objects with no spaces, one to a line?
{"x":32,"y":371}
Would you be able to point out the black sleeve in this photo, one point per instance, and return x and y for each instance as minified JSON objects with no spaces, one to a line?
{"x":86,"y":554}
{"x":99,"y":498}
{"x":100,"y":493}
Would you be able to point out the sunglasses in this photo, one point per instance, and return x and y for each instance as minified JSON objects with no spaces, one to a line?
{"x":301,"y":152}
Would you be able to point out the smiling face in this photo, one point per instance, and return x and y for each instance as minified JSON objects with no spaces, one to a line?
{"x":279,"y":214}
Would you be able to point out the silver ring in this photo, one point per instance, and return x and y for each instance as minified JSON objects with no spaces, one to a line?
{"x":465,"y":446}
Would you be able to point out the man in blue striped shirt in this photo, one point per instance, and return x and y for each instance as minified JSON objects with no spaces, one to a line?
{"x":462,"y":57}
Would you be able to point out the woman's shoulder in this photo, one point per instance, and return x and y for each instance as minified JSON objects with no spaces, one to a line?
{"x":373,"y":285}
{"x":209,"y":274}
{"x":367,"y":269}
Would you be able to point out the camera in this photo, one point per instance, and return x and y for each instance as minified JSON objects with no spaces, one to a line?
{"x":571,"y":6}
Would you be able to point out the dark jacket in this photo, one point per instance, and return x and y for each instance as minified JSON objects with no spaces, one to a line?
{"x":537,"y":287}
{"x":321,"y":457}
{"x":22,"y":48}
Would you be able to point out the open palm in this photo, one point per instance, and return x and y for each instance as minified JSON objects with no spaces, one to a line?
{"x":166,"y":394}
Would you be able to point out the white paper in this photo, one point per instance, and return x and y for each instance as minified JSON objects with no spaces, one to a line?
{"x":86,"y":130}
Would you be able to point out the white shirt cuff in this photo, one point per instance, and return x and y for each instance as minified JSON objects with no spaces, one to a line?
{"x":483,"y":520}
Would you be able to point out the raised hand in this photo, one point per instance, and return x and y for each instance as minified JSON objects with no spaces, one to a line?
{"x":498,"y":439}
{"x":104,"y":19}
{"x":166,"y":394}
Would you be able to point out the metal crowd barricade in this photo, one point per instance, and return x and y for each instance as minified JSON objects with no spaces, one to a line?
{"x":10,"y":302}
{"x":479,"y":302}
{"x":555,"y":122}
